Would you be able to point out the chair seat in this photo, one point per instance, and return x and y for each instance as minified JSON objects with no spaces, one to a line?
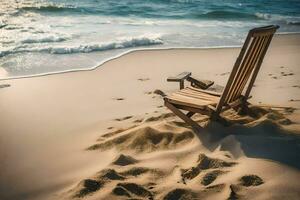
{"x":194,"y":97}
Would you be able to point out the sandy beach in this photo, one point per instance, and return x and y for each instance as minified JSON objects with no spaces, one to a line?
{"x":105,"y":134}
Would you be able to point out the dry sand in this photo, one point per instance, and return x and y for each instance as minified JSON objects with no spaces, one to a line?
{"x":103,"y":134}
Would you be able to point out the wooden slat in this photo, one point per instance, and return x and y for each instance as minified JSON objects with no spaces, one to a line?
{"x":242,"y":68}
{"x":248,"y":66}
{"x":255,"y":72}
{"x":198,"y":94}
{"x":233,"y":89}
{"x":189,"y":101}
{"x":258,"y":55}
{"x":183,"y":98}
{"x":263,"y":31}
{"x":232,"y":74}
{"x":205,"y":98}
{"x":205,"y":91}
{"x":185,"y":103}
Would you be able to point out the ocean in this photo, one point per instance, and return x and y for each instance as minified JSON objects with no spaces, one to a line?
{"x":46,"y":36}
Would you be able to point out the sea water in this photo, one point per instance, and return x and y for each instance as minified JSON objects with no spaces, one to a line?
{"x":44,"y":36}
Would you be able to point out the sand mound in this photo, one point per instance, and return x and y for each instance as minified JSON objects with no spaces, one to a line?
{"x":160,"y":117}
{"x":123,"y":160}
{"x":109,"y":174}
{"x":215,"y":188}
{"x":136,"y":171}
{"x":147,"y":139}
{"x":204,"y":163}
{"x":255,"y":114}
{"x":251,"y":180}
{"x":113,"y":133}
{"x":173,"y":174}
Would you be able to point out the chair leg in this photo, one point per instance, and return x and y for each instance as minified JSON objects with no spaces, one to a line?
{"x":190,"y":114}
{"x":184,"y":117}
{"x":244,"y":109}
{"x":218,"y":118}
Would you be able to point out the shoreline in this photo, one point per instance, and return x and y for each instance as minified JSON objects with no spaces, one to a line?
{"x":133,"y":51}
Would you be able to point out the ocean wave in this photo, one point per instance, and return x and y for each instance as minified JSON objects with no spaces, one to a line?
{"x":44,"y":39}
{"x":222,"y":14}
{"x":87,"y":48}
{"x":289,"y":20}
{"x":297,"y":23}
{"x":49,"y":8}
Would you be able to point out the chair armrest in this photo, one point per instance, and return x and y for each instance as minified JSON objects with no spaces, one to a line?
{"x":180,"y":78}
{"x":202,"y":84}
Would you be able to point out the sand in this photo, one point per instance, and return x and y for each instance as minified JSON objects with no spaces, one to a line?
{"x":105,"y":134}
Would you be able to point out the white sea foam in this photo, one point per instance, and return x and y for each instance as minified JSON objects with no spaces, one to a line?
{"x":2,"y":24}
{"x":144,"y":40}
{"x":290,"y":20}
{"x":50,"y":38}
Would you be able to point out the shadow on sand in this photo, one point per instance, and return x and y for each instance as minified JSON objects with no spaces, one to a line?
{"x":261,"y":136}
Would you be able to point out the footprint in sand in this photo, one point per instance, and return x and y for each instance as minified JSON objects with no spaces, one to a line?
{"x":244,"y":181}
{"x":287,"y":74}
{"x":204,"y":163}
{"x":138,"y":120}
{"x":123,"y":118}
{"x":144,"y":79}
{"x":250,"y":180}
{"x":211,"y":177}
{"x":294,"y":100}
{"x":118,"y":98}
{"x":4,"y":85}
{"x":132,"y":189}
{"x":88,"y":186}
{"x":180,"y":193}
{"x":226,"y":73}
{"x":296,"y":86}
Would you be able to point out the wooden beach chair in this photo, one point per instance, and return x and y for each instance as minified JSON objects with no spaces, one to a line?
{"x":193,"y":99}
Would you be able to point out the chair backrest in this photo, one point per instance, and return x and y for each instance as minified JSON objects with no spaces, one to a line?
{"x":247,"y":65}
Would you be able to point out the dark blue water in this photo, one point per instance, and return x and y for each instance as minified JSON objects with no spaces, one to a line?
{"x":39,"y":36}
